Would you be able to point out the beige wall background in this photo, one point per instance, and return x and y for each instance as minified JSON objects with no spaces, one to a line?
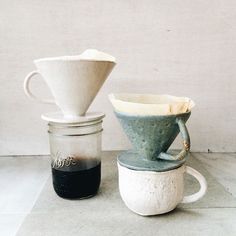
{"x":181,"y":47}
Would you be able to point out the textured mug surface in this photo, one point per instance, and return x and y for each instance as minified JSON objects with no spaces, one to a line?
{"x":152,"y":193}
{"x":151,"y":136}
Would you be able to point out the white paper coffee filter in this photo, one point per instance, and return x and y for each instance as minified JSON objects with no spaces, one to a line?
{"x":94,"y":54}
{"x":87,"y":55}
{"x":150,"y":104}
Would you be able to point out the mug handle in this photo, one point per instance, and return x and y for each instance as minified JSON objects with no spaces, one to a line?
{"x":29,"y":93}
{"x":203,"y":186}
{"x":186,"y":144}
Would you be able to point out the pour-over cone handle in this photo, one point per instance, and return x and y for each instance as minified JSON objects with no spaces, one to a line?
{"x":28,"y":91}
{"x":186,"y":143}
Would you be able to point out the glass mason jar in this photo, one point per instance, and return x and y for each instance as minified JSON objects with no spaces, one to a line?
{"x":76,"y":157}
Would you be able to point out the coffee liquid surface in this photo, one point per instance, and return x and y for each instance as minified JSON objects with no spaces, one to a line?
{"x":76,"y":183}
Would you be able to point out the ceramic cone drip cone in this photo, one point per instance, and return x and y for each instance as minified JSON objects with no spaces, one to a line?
{"x":74,"y":81}
{"x":152,"y":122}
{"x":151,"y":135}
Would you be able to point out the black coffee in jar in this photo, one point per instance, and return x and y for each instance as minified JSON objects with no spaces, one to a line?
{"x":74,"y":182}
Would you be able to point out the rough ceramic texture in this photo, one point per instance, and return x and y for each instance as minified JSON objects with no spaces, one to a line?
{"x":151,"y":136}
{"x":151,"y":193}
{"x":74,"y":82}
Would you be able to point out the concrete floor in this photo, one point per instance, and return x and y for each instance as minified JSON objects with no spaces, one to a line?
{"x":29,"y":206}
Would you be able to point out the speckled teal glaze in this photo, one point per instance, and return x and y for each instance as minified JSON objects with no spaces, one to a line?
{"x":151,"y":136}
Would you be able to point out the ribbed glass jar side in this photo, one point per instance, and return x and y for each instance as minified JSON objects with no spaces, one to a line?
{"x":75,"y":146}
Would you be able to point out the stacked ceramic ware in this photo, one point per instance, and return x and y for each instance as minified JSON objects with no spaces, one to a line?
{"x":151,"y":181}
{"x":74,"y":133}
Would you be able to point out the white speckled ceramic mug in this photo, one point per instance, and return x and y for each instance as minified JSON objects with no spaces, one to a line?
{"x":152,"y":193}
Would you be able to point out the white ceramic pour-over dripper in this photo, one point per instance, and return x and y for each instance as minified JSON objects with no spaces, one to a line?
{"x":73,"y":80}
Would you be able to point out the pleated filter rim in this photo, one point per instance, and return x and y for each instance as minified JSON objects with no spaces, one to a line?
{"x":150,"y":104}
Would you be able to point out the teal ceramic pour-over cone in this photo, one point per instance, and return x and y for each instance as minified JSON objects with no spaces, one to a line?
{"x":152,"y":123}
{"x":151,"y":136}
